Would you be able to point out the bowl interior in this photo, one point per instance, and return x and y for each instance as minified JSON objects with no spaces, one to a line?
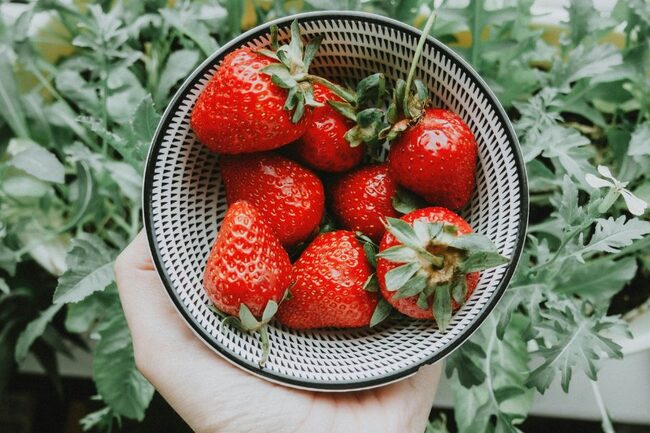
{"x":185,"y":202}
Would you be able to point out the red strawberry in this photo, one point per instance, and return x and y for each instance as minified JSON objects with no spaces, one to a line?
{"x":361,"y":199}
{"x":289,"y":196}
{"x":247,"y":265}
{"x":329,"y":290}
{"x":241,"y":110}
{"x":428,"y":260}
{"x":323,"y":145}
{"x":248,"y":272}
{"x":436,"y":158}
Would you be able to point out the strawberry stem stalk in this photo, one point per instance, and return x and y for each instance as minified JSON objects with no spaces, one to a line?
{"x":418,"y":53}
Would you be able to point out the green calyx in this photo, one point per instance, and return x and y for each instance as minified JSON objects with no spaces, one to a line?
{"x":408,"y":103}
{"x":247,"y":322}
{"x":292,"y":71}
{"x":362,"y":106}
{"x":435,"y":260}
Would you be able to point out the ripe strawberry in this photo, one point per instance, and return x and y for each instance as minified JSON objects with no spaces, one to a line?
{"x":247,"y":271}
{"x":241,"y":110}
{"x":323,"y":146}
{"x":436,"y":158}
{"x":258,"y":100}
{"x":289,"y":196}
{"x":329,"y":290}
{"x":361,"y":199}
{"x":428,"y":260}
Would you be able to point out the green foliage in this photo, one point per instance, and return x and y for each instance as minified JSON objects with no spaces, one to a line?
{"x":80,"y":101}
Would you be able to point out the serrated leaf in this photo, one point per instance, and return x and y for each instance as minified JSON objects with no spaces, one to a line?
{"x":34,"y":330}
{"x":570,"y":149}
{"x":81,"y":316}
{"x":381,"y":313}
{"x":568,"y":208}
{"x":597,"y":281}
{"x":611,"y":235}
{"x":572,"y":340}
{"x":36,"y":161}
{"x":178,"y":66}
{"x":586,"y":61}
{"x":90,"y":269}
{"x":397,"y":277}
{"x":467,"y":362}
{"x":118,"y":381}
{"x":497,"y":400}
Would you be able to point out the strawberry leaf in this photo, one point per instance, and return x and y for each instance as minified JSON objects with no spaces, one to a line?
{"x":414,"y":286}
{"x":397,"y":277}
{"x":399,"y":254}
{"x":248,"y":321}
{"x":481,"y":260}
{"x":404,"y":232}
{"x":459,"y":290}
{"x":381,"y":313}
{"x":269,"y":311}
{"x":371,"y":284}
{"x":442,"y":306}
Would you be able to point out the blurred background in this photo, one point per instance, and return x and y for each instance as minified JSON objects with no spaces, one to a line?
{"x":82,"y":86}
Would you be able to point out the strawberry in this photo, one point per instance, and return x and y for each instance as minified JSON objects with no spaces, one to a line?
{"x":436,"y":158}
{"x":361,"y":199}
{"x":323,"y":146}
{"x":247,"y":271}
{"x":329,"y":292}
{"x":290,"y":197}
{"x":247,"y":105}
{"x":428,"y":261}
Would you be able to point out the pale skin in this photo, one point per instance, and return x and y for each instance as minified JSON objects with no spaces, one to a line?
{"x":213,"y":396}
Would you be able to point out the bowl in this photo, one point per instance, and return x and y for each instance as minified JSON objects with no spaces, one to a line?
{"x":184,"y":204}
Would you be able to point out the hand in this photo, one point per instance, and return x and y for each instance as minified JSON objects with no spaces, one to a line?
{"x":214,"y":396}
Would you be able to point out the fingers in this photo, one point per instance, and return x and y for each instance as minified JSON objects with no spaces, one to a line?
{"x":151,"y":316}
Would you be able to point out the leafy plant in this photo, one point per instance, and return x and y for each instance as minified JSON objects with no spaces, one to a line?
{"x":79,"y":102}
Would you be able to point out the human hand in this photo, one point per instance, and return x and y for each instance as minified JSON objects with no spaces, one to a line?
{"x":214,"y":396}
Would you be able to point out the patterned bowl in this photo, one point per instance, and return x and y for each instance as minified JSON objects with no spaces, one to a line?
{"x":184,"y":204}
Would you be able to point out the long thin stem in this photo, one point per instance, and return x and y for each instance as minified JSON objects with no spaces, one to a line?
{"x":418,"y":52}
{"x":606,"y":421}
{"x":575,"y":232}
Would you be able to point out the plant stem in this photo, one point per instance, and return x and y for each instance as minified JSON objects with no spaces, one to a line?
{"x":418,"y":52}
{"x":563,"y":244}
{"x":606,"y":421}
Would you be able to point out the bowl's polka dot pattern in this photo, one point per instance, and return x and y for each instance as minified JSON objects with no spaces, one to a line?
{"x":184,"y":203}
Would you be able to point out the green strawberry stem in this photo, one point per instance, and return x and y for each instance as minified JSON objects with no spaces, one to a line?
{"x":418,"y":53}
{"x":292,"y":70}
{"x":247,"y":322}
{"x":266,"y":345}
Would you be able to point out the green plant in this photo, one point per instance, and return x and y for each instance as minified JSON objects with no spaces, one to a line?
{"x":79,"y":101}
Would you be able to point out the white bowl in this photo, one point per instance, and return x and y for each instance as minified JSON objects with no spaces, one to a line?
{"x":184,"y":203}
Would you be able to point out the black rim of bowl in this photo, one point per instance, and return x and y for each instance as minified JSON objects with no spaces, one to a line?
{"x":262,"y":30}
